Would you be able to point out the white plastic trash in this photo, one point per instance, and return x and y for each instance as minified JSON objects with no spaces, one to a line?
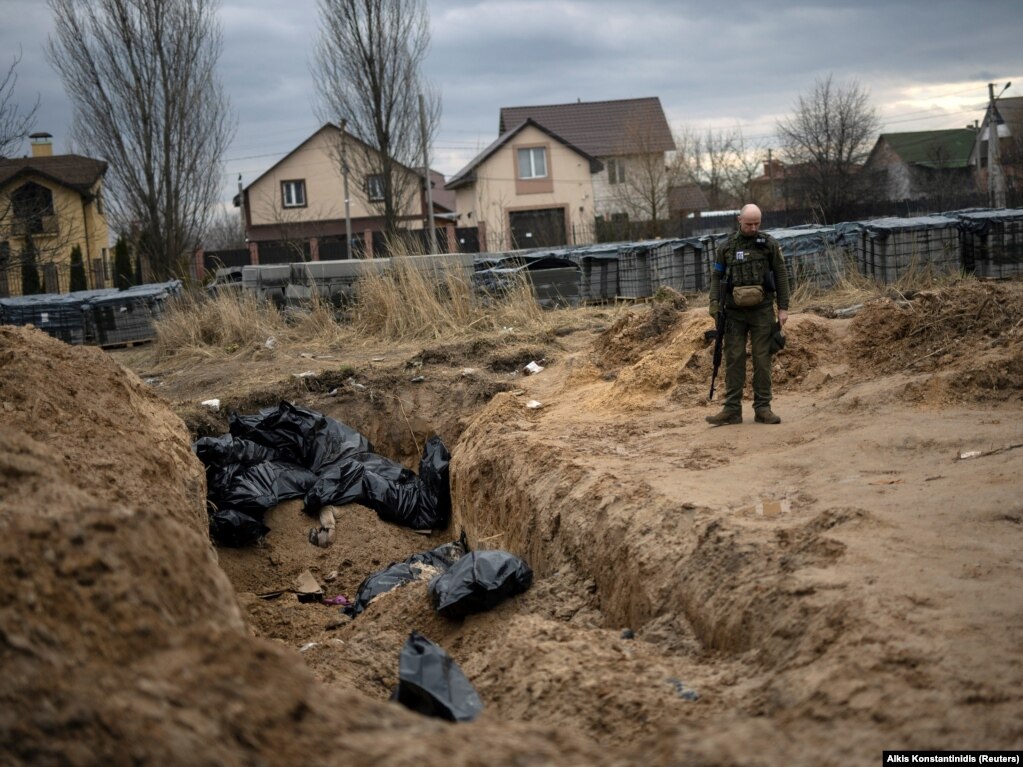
{"x":533,"y":368}
{"x":213,"y":405}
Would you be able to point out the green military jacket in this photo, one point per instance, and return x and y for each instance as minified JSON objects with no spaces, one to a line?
{"x":745,"y":260}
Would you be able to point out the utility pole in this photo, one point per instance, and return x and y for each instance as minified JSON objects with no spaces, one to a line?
{"x":426,"y":176}
{"x":995,"y":180}
{"x":344,"y":173}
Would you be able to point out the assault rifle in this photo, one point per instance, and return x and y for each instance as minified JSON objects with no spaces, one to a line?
{"x":719,"y":335}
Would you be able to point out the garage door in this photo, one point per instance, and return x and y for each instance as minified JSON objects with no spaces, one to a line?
{"x":538,"y":228}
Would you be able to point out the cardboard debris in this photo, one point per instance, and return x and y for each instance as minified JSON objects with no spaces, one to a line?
{"x":307,"y":588}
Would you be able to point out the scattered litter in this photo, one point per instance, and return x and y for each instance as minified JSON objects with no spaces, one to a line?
{"x":355,"y":384}
{"x":377,"y":359}
{"x":418,"y":379}
{"x":478,"y":582}
{"x":213,"y":405}
{"x":152,"y":381}
{"x":270,"y":343}
{"x":307,"y":588}
{"x":682,"y":691}
{"x":308,"y":646}
{"x":628,"y":634}
{"x":340,"y":599}
{"x":332,"y":393}
{"x":432,"y":684}
{"x":964,"y":455}
{"x":468,"y":371}
{"x":331,"y":576}
{"x":533,"y":368}
{"x":307,"y":355}
{"x":534,"y":404}
{"x":305,"y":374}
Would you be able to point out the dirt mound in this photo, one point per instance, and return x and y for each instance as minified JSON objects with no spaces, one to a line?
{"x":635,"y":333}
{"x":87,"y":410}
{"x":969,"y":334}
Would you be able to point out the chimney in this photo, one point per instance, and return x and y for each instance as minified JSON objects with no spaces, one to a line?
{"x":42,"y":144}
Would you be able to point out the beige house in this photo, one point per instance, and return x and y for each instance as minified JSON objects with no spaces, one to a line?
{"x":530,"y":188}
{"x":56,"y":202}
{"x":296,"y":209}
{"x":630,"y":138}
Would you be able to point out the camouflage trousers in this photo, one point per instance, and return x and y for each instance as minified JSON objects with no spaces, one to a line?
{"x":755,"y":324}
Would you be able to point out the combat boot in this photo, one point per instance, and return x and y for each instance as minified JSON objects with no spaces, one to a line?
{"x":764,"y":415}
{"x":725,"y":418}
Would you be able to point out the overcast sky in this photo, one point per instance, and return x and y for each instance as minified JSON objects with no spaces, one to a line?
{"x":712,"y":64}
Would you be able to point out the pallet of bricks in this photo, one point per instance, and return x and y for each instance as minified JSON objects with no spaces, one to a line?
{"x":992,"y":242}
{"x":63,"y":316}
{"x":634,"y":268}
{"x":107,"y":317}
{"x":813,"y":256}
{"x":890,"y":248}
{"x":598,"y":277}
{"x":120,"y":317}
{"x":683,"y":265}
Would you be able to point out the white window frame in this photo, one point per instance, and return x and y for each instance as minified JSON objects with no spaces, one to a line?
{"x":532,"y":153}
{"x":293,"y":193}
{"x":375,"y":187}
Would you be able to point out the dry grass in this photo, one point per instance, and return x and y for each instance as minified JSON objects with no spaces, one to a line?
{"x":197,"y":325}
{"x":426,"y":300}
{"x":413,"y":300}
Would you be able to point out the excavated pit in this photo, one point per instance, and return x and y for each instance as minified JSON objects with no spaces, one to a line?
{"x":840,"y":584}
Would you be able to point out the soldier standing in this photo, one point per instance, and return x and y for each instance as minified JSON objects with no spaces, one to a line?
{"x":751,"y":268}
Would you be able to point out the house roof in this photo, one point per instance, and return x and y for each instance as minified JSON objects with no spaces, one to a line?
{"x":70,"y":170}
{"x":602,"y":128}
{"x":468,"y":174}
{"x":932,"y":149}
{"x":316,"y":133}
{"x":687,"y":197}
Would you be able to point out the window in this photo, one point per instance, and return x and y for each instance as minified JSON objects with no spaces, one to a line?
{"x":615,"y":171}
{"x":293,"y":194}
{"x":533,"y":162}
{"x":375,"y":187}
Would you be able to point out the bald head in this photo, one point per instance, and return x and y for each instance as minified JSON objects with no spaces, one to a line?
{"x":749,"y":219}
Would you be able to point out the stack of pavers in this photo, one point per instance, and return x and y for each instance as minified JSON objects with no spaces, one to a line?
{"x":992,"y":242}
{"x":63,"y":316}
{"x":680,"y":264}
{"x":598,"y":279}
{"x":104,"y":317}
{"x":268,"y":281}
{"x":634,"y":268}
{"x":127,"y":316}
{"x":812,"y":255}
{"x":889,"y":248}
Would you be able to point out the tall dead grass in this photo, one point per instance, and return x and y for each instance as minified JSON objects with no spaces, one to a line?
{"x":433,"y":299}
{"x":416,"y":299}
{"x":195,"y":324}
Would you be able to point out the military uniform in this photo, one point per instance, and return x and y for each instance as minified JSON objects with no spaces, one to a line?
{"x":743,"y":261}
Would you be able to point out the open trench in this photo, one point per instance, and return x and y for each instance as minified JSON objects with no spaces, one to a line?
{"x":669,"y":615}
{"x":651,"y":617}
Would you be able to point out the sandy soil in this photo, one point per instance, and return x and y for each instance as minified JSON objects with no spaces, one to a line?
{"x":807,"y":593}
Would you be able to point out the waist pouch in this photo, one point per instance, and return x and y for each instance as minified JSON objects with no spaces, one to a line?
{"x":748,"y":295}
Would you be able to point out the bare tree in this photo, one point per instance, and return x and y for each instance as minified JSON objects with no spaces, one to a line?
{"x":367,"y":72}
{"x":826,"y":141}
{"x":14,"y":123}
{"x":141,"y":76}
{"x":225,"y":231}
{"x":642,"y":178}
{"x":720,"y":160}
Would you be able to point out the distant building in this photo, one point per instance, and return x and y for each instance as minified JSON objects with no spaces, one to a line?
{"x":56,"y":202}
{"x":932,"y":165}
